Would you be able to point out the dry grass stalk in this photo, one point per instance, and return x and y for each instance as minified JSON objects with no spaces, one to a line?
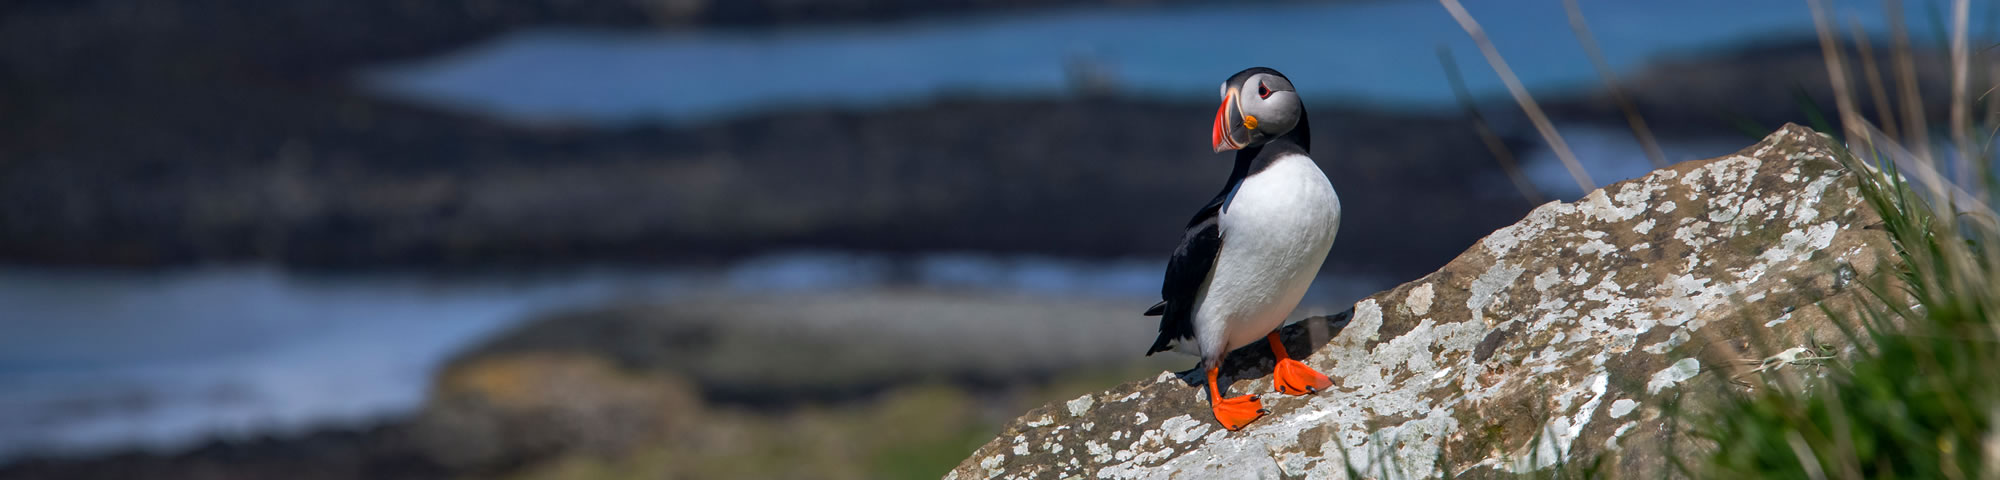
{"x":1640,"y":131}
{"x":1877,"y":89}
{"x":1836,"y":72}
{"x":1520,"y":93}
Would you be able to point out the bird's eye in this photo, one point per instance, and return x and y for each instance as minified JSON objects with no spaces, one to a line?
{"x":1263,"y":91}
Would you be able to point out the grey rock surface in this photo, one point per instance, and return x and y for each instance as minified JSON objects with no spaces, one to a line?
{"x":1556,"y":342}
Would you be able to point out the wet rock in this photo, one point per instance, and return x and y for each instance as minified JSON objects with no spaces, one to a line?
{"x":1558,"y":340}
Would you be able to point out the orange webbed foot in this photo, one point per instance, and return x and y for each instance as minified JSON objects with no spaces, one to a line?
{"x":1237,"y":412}
{"x":1293,"y":377}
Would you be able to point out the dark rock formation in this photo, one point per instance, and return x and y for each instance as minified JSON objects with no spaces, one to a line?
{"x":1757,"y":87}
{"x":1555,"y":341}
{"x":312,"y":179}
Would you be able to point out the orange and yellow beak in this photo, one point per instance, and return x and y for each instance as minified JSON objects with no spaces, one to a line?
{"x":1223,"y":137}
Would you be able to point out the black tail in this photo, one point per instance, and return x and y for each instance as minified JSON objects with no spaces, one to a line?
{"x":1175,"y":324}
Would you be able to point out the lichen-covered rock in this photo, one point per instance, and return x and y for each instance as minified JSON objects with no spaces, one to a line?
{"x":1558,"y":340}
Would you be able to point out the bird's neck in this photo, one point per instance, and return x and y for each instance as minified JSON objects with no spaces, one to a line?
{"x":1301,"y":133}
{"x":1251,"y":160}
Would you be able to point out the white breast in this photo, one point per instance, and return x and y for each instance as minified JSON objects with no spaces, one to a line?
{"x":1275,"y":233}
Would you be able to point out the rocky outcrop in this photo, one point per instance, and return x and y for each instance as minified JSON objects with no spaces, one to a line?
{"x":1557,"y":342}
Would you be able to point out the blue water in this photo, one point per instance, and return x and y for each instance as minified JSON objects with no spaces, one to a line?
{"x":1378,"y":52}
{"x":99,"y":359}
{"x":94,"y":360}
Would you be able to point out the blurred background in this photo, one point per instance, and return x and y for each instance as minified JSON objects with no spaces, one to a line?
{"x":746,"y":239}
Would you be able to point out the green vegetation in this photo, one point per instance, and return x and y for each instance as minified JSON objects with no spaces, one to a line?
{"x":1917,"y":397}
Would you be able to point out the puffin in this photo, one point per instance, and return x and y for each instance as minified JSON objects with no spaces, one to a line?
{"x":1247,"y":256}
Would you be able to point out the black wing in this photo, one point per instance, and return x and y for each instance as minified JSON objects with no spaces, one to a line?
{"x":1186,"y":271}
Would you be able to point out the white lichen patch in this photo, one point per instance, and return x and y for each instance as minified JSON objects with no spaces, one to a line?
{"x":992,"y":464}
{"x":1596,"y":247}
{"x":1735,"y":172}
{"x":1546,"y":279}
{"x":1080,"y":405}
{"x":1487,"y":287}
{"x":1541,"y":452}
{"x":1419,"y":301}
{"x":1099,"y":453}
{"x":1502,"y":241}
{"x":1674,"y":374}
{"x":1623,"y":407}
{"x":1800,"y":243}
{"x":1183,"y":429}
{"x":1694,"y":234}
{"x":1558,"y":436}
{"x":1674,"y":340}
{"x":1611,"y":442}
{"x":1632,"y":199}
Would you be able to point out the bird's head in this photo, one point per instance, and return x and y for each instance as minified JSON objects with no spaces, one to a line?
{"x":1258,"y":104}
